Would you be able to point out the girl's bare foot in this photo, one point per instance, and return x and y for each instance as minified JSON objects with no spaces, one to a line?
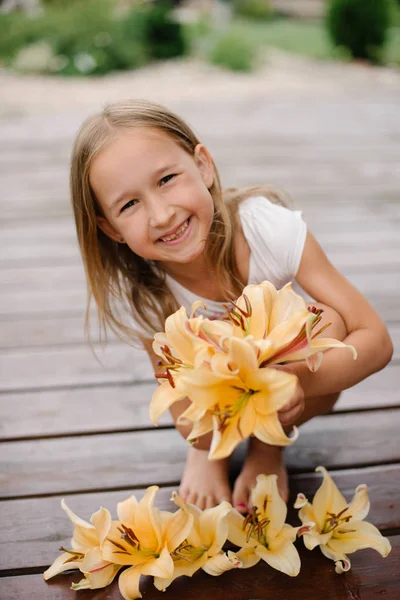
{"x":261,"y":458}
{"x":205,"y":482}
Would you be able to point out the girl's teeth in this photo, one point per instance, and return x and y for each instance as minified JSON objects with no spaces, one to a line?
{"x":177,"y":234}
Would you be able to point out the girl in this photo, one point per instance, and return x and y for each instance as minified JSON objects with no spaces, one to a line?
{"x":156,"y":231}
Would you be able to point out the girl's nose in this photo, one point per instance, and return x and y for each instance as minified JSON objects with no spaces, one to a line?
{"x":161,"y":213}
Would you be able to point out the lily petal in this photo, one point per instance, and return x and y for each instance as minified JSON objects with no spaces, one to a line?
{"x":128,"y":583}
{"x":163,"y":566}
{"x":102,"y":522}
{"x":60,"y":565}
{"x":223,"y":443}
{"x":357,"y":535}
{"x":126,"y":510}
{"x":282,"y":556}
{"x":146,"y":525}
{"x":270,"y":431}
{"x":265,"y":496}
{"x":99,"y":573}
{"x":218,"y":564}
{"x":178,"y":528}
{"x":236,"y":535}
{"x":248,"y":557}
{"x":342,"y":562}
{"x":213,"y":523}
{"x":163,"y":397}
{"x":359,"y":506}
{"x":327,"y":499}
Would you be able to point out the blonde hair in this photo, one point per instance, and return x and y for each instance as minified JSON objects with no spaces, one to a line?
{"x":118,"y":279}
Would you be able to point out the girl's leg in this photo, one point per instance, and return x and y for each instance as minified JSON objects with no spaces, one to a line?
{"x":204,"y":483}
{"x":263,"y":458}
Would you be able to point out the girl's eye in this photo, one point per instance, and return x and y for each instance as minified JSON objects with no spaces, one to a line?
{"x":167,"y":178}
{"x":129,"y":204}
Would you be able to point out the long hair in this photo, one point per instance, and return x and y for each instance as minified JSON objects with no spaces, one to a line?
{"x":121,"y":283}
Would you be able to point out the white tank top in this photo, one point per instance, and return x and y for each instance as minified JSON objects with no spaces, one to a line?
{"x":275,"y":236}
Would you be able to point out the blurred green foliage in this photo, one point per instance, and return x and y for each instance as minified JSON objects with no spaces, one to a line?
{"x":163,"y":34}
{"x":234,"y":51}
{"x":87,"y":37}
{"x":360,"y":26}
{"x":253,"y":9}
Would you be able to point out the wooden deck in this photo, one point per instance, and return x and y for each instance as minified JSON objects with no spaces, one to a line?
{"x":73,"y":428}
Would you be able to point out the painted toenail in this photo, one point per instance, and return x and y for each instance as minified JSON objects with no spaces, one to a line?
{"x":241,"y":504}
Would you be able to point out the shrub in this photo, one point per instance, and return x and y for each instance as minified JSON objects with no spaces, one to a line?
{"x":234,"y":52}
{"x":163,"y":33}
{"x":360,"y":26}
{"x":253,"y":9}
{"x":86,"y":37}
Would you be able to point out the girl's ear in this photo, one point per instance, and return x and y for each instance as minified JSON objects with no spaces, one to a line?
{"x":108,"y":229}
{"x":205,"y":164}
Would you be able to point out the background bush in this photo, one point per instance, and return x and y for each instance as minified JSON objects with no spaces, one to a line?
{"x":253,"y":9}
{"x":87,"y":37}
{"x":163,"y":34}
{"x":234,"y":52}
{"x":360,"y":26}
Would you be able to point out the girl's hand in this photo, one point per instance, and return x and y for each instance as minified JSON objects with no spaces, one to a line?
{"x":289,"y":414}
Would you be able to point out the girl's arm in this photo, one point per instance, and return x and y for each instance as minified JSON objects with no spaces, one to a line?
{"x":366,"y":330}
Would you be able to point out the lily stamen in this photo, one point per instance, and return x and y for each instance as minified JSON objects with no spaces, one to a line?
{"x":333,"y":521}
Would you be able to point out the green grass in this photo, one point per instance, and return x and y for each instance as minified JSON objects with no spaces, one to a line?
{"x":309,"y":39}
{"x":298,"y":37}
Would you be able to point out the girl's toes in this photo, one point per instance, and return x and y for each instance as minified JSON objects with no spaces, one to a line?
{"x":211,"y":502}
{"x":241,"y":498}
{"x":191,"y":498}
{"x":184,"y":494}
{"x":201,"y":502}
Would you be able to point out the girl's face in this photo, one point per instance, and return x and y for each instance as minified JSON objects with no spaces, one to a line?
{"x":154,"y":195}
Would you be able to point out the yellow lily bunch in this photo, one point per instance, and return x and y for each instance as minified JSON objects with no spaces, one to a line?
{"x":223,"y":367}
{"x":149,"y":542}
{"x":168,"y":545}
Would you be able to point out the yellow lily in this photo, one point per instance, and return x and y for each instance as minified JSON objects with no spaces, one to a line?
{"x":264,"y":533}
{"x":202,"y":549}
{"x":192,"y":340}
{"x":236,"y":399}
{"x":281,"y":326}
{"x":186,"y":344}
{"x":144,"y":539}
{"x":85,"y":555}
{"x":251,"y":312}
{"x":339,"y":528}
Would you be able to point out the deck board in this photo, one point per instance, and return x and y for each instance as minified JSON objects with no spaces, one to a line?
{"x":366,"y":580}
{"x":140,"y":458}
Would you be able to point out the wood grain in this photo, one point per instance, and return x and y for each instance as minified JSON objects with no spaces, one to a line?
{"x":84,"y":463}
{"x":55,"y":412}
{"x":369,"y":578}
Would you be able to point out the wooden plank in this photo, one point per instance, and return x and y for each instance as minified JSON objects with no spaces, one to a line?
{"x":74,"y":464}
{"x":75,"y":411}
{"x":44,"y":254}
{"x":32,"y":542}
{"x":370,"y":577}
{"x":44,"y":367}
{"x":28,"y":332}
{"x":71,"y":366}
{"x":18,"y":299}
{"x":57,"y":280}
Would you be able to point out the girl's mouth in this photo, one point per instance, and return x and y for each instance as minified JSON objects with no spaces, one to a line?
{"x":179,"y":235}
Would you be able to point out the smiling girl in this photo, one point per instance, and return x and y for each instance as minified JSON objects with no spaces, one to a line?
{"x":157,"y":231}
